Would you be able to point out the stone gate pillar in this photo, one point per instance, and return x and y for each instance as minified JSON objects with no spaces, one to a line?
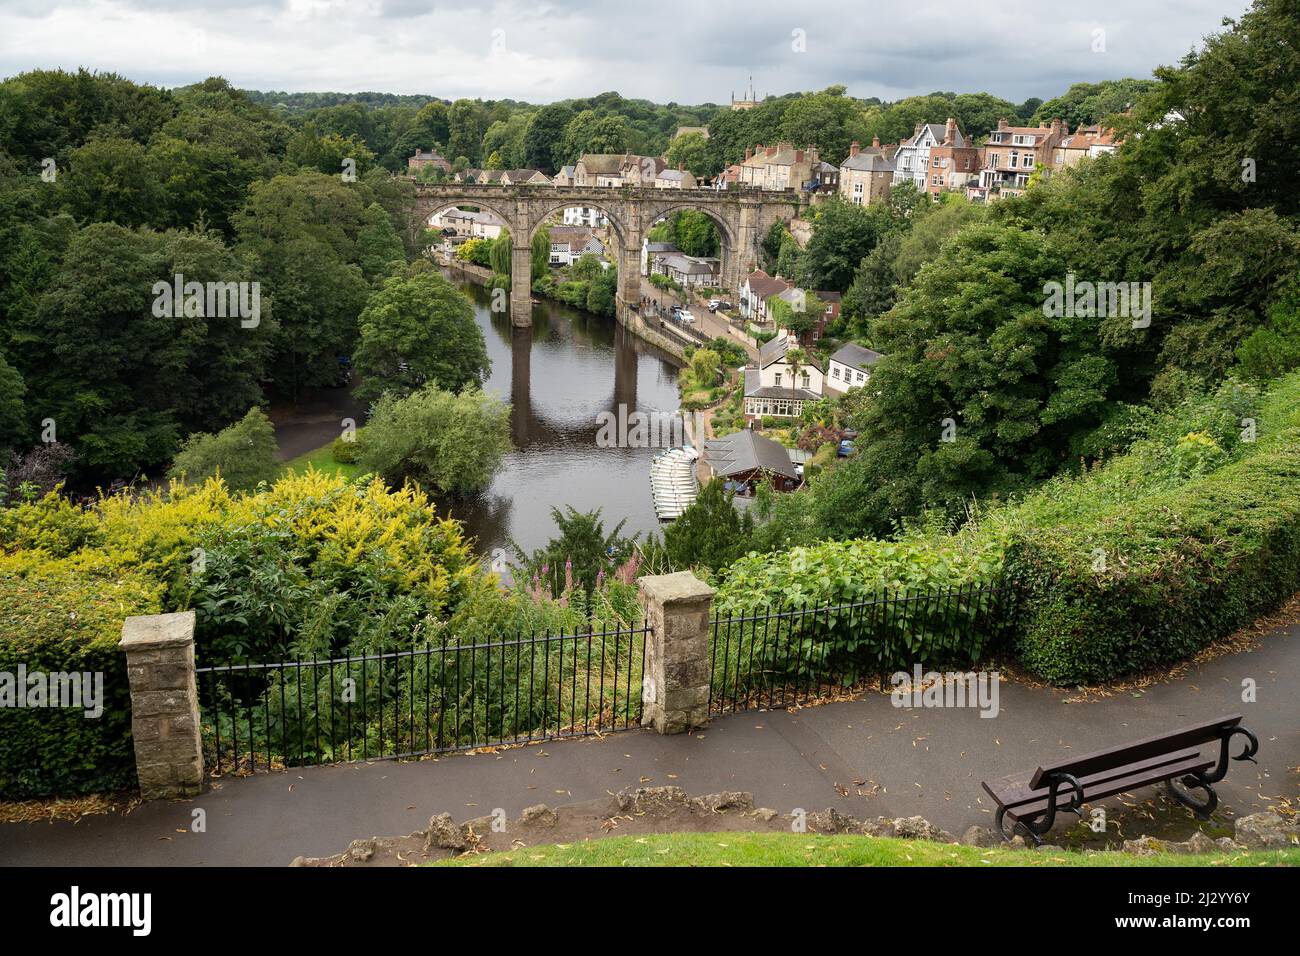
{"x":164,"y":704}
{"x":675,"y":685}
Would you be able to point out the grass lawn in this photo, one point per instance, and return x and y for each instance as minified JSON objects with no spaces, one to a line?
{"x":807,"y":849}
{"x":322,"y":459}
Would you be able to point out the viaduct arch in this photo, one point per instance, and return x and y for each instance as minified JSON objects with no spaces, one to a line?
{"x":743,"y":217}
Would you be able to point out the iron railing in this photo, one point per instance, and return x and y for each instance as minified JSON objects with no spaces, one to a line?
{"x":421,"y":700}
{"x":782,"y":657}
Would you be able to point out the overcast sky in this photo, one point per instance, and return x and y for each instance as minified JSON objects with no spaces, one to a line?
{"x":664,"y":50}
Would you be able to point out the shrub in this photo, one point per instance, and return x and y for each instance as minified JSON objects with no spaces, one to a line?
{"x":449,"y":442}
{"x":346,"y":452}
{"x":54,"y":621}
{"x":243,"y":454}
{"x":1137,"y":581}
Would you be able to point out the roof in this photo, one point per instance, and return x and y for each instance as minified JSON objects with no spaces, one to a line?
{"x":523,"y":175}
{"x":773,"y":350}
{"x":661,"y":247}
{"x":765,"y":285}
{"x":744,"y":452}
{"x":601,"y":162}
{"x":579,"y":235}
{"x":687,"y":265}
{"x":868,"y":163}
{"x":566,"y":172}
{"x":856,"y":356}
{"x":675,"y":175}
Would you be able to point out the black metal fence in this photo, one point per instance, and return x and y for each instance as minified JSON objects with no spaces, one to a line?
{"x":423,"y":700}
{"x":778,"y":658}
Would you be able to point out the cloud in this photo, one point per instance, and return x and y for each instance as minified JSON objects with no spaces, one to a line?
{"x":673,"y":50}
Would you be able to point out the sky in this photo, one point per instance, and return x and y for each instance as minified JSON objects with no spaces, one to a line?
{"x":683,"y":51}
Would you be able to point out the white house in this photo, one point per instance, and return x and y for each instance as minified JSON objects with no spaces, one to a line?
{"x":775,"y":388}
{"x":912,"y":160}
{"x":850,"y":367}
{"x":569,"y":243}
{"x":653,"y":250}
{"x":674,"y":179}
{"x":588,"y":216}
{"x":486,"y":225}
{"x":685,"y":270}
{"x":755,"y":291}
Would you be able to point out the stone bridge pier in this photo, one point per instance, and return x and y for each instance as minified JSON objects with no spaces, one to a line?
{"x":742,"y":217}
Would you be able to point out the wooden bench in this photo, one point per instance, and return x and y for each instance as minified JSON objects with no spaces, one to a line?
{"x":1031,"y":800}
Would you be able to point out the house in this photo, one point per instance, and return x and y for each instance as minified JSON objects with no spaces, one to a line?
{"x":674,"y":179}
{"x":685,"y":270}
{"x":757,"y":288}
{"x":850,"y":367}
{"x":468,"y":175}
{"x":1088,"y":141}
{"x":826,"y":178}
{"x":426,"y":157}
{"x":778,"y":167}
{"x":617,"y":169}
{"x":745,"y":458}
{"x":653,"y":250}
{"x":830,"y":314}
{"x":912,"y":159}
{"x":564,"y":177}
{"x":485,"y":225}
{"x":569,"y":243}
{"x":491,"y":177}
{"x":774,"y":387}
{"x":524,"y":177}
{"x":455,"y":219}
{"x":585,"y":216}
{"x":1011,"y":155}
{"x":866,"y":174}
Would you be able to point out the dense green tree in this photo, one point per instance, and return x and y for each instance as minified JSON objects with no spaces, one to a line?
{"x":15,"y":429}
{"x":691,"y":152}
{"x":416,"y":330}
{"x":112,"y":180}
{"x":450,"y":443}
{"x":843,"y":234}
{"x":544,"y":138}
{"x":467,"y":121}
{"x":582,"y":551}
{"x":602,"y":292}
{"x":243,"y":454}
{"x":379,"y":248}
{"x":711,"y":533}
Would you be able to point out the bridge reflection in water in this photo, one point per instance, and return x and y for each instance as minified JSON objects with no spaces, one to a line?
{"x":558,"y":376}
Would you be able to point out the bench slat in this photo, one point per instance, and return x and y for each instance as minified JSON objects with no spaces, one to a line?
{"x":1015,"y":789}
{"x":1156,"y":746}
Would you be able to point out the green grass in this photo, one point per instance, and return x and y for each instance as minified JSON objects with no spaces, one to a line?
{"x":807,"y":849}
{"x":322,"y":459}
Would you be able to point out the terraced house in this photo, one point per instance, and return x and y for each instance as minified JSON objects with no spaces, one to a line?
{"x":1011,"y":155}
{"x":912,"y":160}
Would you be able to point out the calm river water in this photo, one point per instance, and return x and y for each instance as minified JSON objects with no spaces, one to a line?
{"x":558,"y":376}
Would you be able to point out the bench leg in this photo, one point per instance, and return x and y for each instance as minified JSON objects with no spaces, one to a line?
{"x":1202,"y":808}
{"x":1031,"y":831}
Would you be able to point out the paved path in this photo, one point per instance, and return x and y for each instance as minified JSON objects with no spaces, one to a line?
{"x":927,"y":762}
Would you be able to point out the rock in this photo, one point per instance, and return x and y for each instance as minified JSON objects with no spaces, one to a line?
{"x":476,"y":829}
{"x":1228,"y":843}
{"x":879,"y":827}
{"x":766,"y":814}
{"x":832,"y":821}
{"x":1145,"y":846}
{"x":919,"y":828}
{"x":299,"y":861}
{"x":980,"y":836}
{"x":538,"y":815}
{"x":717,"y":802}
{"x":1017,"y":842}
{"x":443,"y":834}
{"x":1265,"y":830}
{"x":361,"y":850}
{"x":647,"y":799}
{"x":1052,"y":847}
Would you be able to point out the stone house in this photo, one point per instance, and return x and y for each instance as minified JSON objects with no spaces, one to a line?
{"x":426,"y":157}
{"x":866,"y":175}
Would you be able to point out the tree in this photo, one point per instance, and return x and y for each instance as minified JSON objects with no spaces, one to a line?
{"x":112,"y":180}
{"x":499,"y":256}
{"x":691,"y":151}
{"x":711,"y":533}
{"x":419,"y":330}
{"x":541,"y":253}
{"x":842,"y":235}
{"x":602,"y":292}
{"x":200,"y":183}
{"x":544,"y":137}
{"x":467,"y":121}
{"x":243,"y":454}
{"x":380,"y":252}
{"x":14,"y":428}
{"x":451,"y":443}
{"x":583,"y":550}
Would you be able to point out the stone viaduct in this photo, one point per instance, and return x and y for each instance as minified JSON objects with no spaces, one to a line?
{"x":743,"y":217}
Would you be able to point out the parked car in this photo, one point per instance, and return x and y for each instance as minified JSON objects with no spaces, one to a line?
{"x":723,"y":304}
{"x":685,"y":317}
{"x":846,"y":448}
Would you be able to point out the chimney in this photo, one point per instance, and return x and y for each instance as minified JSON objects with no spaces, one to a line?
{"x":950,"y":131}
{"x":771,"y":151}
{"x":798,"y":155}
{"x":1056,"y":126}
{"x":854,"y":147}
{"x":749,"y":152}
{"x":917,"y":131}
{"x":1002,"y":123}
{"x":875,"y":142}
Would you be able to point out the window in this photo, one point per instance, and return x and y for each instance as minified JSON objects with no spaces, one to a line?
{"x":778,"y":378}
{"x":835,"y":371}
{"x":860,"y":377}
{"x":806,"y":380}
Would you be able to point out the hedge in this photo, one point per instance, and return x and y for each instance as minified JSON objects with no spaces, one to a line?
{"x":69,"y":623}
{"x":1156,"y":580}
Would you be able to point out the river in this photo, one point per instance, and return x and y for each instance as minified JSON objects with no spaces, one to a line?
{"x":558,"y":377}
